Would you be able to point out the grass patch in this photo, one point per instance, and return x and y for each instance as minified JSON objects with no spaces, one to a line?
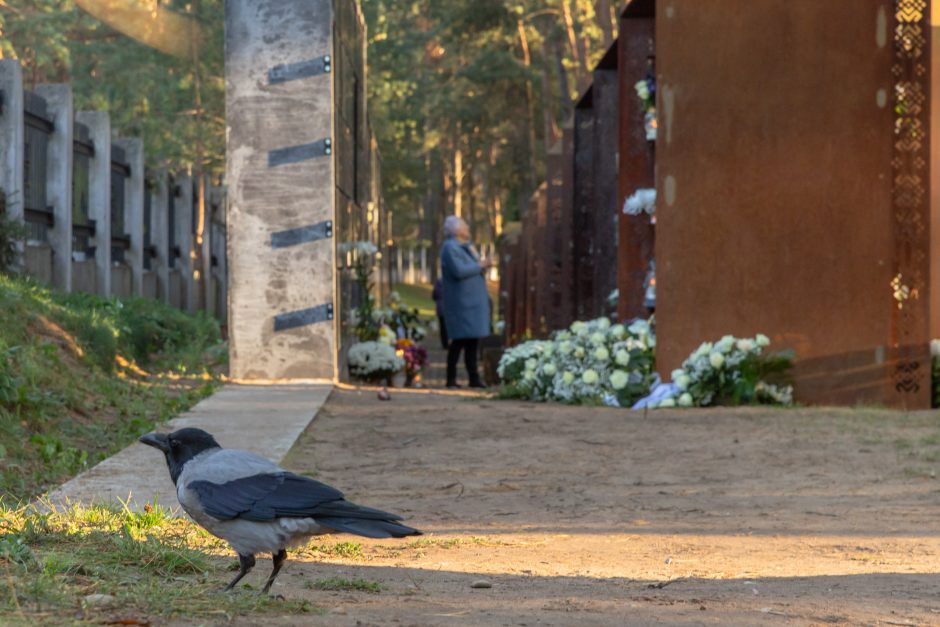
{"x":83,"y":376}
{"x":151,"y":567}
{"x":344,"y":550}
{"x":339,"y":584}
{"x":417,"y":297}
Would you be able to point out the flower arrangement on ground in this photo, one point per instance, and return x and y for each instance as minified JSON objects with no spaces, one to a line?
{"x":731,"y":371}
{"x":416,"y":358}
{"x":646,"y":91}
{"x":373,"y":362}
{"x":590,"y":363}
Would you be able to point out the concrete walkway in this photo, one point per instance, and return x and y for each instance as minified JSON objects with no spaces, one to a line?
{"x":266,"y":420}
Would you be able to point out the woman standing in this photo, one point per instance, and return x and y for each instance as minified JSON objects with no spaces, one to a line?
{"x":466,"y":303}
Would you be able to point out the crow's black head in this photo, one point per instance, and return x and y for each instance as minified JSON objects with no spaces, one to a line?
{"x":180,"y":446}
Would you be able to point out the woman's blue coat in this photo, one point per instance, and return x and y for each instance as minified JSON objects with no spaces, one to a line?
{"x":466,"y":302}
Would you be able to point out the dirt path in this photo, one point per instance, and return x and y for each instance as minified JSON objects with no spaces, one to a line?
{"x":602,"y":517}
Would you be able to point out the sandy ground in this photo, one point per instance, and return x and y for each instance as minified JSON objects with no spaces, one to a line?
{"x":603,"y":517}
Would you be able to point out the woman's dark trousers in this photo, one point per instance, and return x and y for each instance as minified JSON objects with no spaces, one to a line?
{"x":469,"y":348}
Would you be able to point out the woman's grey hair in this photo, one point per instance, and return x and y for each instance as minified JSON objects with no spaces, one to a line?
{"x":451,"y":224}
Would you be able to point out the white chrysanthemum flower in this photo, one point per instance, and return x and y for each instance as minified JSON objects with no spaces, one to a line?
{"x":598,"y":339}
{"x":725,"y":344}
{"x":716,"y":359}
{"x":563,"y":335}
{"x":529,"y":375}
{"x":618,"y":331}
{"x":703,"y":350}
{"x":603,"y":323}
{"x":762,"y":340}
{"x":530,"y":364}
{"x":579,"y":352}
{"x":565,"y":347}
{"x":578,"y":327}
{"x":639,"y":327}
{"x":619,"y":379}
{"x":686,"y":400}
{"x":746,"y":345}
{"x":549,"y":369}
{"x":683,"y":382}
{"x":601,"y":354}
{"x":590,"y":376}
{"x":667,"y":402}
{"x":622,"y":357}
{"x":568,"y":378}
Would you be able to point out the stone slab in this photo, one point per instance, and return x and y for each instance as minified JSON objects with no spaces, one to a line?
{"x":266,"y":420}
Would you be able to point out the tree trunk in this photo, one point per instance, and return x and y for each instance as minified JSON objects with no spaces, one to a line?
{"x":576,"y":47}
{"x":530,"y":106}
{"x":605,"y":21}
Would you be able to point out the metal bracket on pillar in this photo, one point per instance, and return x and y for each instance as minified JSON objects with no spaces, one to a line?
{"x":302,"y":235}
{"x":303,"y":152}
{"x":302,"y":69}
{"x":304,"y":317}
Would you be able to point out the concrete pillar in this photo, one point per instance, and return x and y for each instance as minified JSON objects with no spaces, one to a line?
{"x":281,"y":185}
{"x":424,"y":264}
{"x":159,"y":233}
{"x":399,"y":274}
{"x":99,"y":194}
{"x":134,"y":210}
{"x":184,"y":239}
{"x":12,"y":139}
{"x":59,"y":181}
{"x":206,"y":252}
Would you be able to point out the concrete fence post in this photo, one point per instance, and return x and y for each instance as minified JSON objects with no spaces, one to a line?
{"x":134,"y":210}
{"x":12,"y":139}
{"x":160,"y":232}
{"x":205,"y":272}
{"x":184,"y":239}
{"x":58,"y":99}
{"x":99,"y":197}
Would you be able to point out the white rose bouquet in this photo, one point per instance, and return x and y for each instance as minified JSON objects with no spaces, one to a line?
{"x":589,"y":363}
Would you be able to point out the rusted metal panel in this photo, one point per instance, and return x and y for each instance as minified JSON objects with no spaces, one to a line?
{"x":584,"y":223}
{"x":779,"y":208}
{"x":606,"y":192}
{"x":636,"y":242}
{"x":559,"y":239}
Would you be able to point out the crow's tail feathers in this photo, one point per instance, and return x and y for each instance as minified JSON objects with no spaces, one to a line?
{"x":370,"y":528}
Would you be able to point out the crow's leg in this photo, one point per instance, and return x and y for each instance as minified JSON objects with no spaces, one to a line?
{"x":246,"y":563}
{"x":279,"y":559}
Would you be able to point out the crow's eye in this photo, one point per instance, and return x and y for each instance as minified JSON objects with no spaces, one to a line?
{"x":174,"y":444}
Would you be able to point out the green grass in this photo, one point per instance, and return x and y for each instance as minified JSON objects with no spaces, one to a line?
{"x":155,"y":567}
{"x":417,"y":297}
{"x":345,"y":550}
{"x":82,"y":376}
{"x":339,"y":584}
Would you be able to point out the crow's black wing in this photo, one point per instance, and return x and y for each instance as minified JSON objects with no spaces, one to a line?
{"x":268,"y":496}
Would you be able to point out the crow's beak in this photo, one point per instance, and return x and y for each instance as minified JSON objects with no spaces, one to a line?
{"x":156,"y":440}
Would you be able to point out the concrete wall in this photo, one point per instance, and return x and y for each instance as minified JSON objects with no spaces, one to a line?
{"x":776,"y":194}
{"x":122,"y":280}
{"x":37,"y":260}
{"x":84,"y":277}
{"x":149,"y":285}
{"x":280,"y":181}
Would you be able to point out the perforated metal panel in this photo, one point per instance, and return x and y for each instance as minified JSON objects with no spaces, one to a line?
{"x":908,"y":289}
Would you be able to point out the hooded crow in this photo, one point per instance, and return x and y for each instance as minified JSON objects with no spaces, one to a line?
{"x":257,"y":506}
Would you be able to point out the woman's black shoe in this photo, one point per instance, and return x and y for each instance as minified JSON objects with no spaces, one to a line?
{"x":454,"y":386}
{"x":478,"y":384}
